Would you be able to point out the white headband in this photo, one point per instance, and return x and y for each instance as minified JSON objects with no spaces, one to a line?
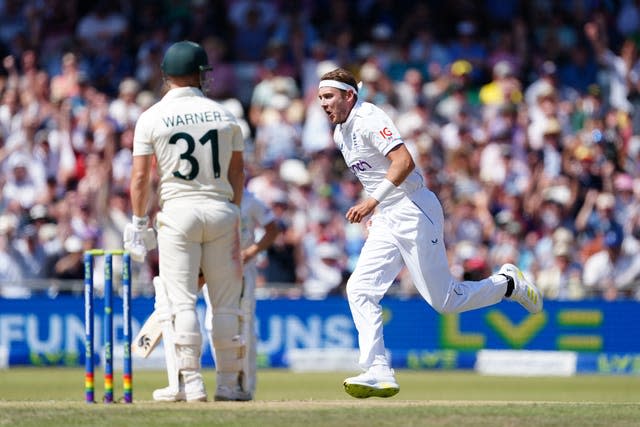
{"x":337,"y":84}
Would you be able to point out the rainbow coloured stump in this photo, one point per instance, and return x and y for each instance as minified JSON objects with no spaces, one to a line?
{"x":127,"y":376}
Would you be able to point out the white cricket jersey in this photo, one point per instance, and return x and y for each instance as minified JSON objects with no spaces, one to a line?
{"x":364,"y":139}
{"x":254,"y":214}
{"x":192,"y":138}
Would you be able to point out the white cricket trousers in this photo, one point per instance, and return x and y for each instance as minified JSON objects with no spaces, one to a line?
{"x":409,"y":233}
{"x":194,"y":235}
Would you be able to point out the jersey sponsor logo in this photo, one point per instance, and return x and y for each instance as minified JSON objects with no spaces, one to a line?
{"x":359,"y":166}
{"x":386,"y":133}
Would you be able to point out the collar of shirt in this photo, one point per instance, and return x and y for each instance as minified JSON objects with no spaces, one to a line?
{"x":352,"y":114}
{"x":181,"y":92}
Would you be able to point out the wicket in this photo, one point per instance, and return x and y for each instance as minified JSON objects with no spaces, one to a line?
{"x":127,"y":374}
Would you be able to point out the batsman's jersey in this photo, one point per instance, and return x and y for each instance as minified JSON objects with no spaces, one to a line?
{"x":364,"y":139}
{"x":192,"y":138}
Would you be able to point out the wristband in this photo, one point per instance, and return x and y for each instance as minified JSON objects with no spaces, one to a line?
{"x":382,"y":190}
{"x":139,"y":222}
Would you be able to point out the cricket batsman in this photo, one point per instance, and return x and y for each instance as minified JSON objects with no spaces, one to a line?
{"x":198,"y":147}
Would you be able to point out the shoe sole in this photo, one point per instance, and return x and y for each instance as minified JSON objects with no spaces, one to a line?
{"x":199,"y":398}
{"x":227,"y":399}
{"x":181,"y":398}
{"x":363,"y":391}
{"x":168,"y":399}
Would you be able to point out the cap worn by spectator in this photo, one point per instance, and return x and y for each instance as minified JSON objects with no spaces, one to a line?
{"x":560,"y":194}
{"x":623,"y":182}
{"x":325,"y":66}
{"x":583,"y":153}
{"x":546,"y":91}
{"x":465,"y":250}
{"x":561,"y":249}
{"x":73,"y":244}
{"x":18,"y":160}
{"x":145,"y":99}
{"x":552,"y":128}
{"x":47,"y":232}
{"x":129,"y":86}
{"x":38,"y":212}
{"x":369,"y":73}
{"x":475,"y":264}
{"x":280,"y":102}
{"x":502,"y":69}
{"x":461,"y":68}
{"x":295,"y":172}
{"x":280,"y":198}
{"x":605,"y":201}
{"x":562,"y":235}
{"x":328,"y":251}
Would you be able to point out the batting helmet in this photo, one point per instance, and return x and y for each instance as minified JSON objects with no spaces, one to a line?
{"x":184,"y":58}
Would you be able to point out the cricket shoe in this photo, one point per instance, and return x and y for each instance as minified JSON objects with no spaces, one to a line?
{"x":524,"y":292}
{"x":194,"y":392}
{"x":370,"y":384}
{"x":229,"y":394}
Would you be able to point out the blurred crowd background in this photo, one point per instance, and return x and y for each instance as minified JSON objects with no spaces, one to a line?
{"x":523,"y":116}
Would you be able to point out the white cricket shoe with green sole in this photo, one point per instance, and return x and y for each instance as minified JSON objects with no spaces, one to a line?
{"x":369,"y":384}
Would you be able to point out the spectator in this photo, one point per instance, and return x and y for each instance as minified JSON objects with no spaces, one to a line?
{"x":561,"y":280}
{"x":20,"y":186}
{"x":101,"y":27}
{"x":617,"y":67}
{"x":467,"y":46}
{"x":283,"y":256}
{"x":409,"y":90}
{"x":10,"y":272}
{"x":31,"y":254}
{"x":277,"y":139}
{"x":504,"y":87}
{"x":326,"y":272}
{"x":67,"y":83}
{"x":611,"y":272}
{"x":596,"y":217}
{"x":252,"y":24}
{"x":580,"y":72}
{"x":124,"y":110}
{"x":56,"y":98}
{"x":270,"y":84}
{"x":70,"y":263}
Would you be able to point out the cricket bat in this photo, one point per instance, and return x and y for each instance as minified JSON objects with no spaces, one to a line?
{"x":148,"y":337}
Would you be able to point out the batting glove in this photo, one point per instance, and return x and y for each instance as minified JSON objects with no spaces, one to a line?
{"x":138,"y":238}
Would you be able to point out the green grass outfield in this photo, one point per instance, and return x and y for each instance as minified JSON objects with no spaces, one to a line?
{"x":55,"y":397}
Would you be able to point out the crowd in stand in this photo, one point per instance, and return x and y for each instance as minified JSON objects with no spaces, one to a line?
{"x":524,"y":117}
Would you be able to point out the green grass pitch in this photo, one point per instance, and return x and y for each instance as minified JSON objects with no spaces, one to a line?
{"x":55,"y":397}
